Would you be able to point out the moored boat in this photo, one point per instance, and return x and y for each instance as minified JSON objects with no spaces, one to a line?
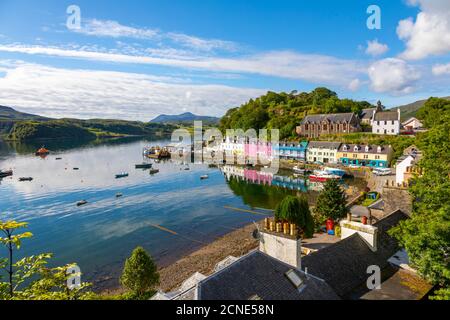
{"x":143,"y":166}
{"x":22,"y":179}
{"x":323,"y":176}
{"x":204,"y":177}
{"x":122,"y":175}
{"x":154,"y":171}
{"x":81,"y":203}
{"x":42,"y":152}
{"x":335,"y":171}
{"x":6,"y":173}
{"x":299,"y":170}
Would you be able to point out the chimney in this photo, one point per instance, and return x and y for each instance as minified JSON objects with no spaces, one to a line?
{"x":368,"y":233}
{"x":282,"y":242}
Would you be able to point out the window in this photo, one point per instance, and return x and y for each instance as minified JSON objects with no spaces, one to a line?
{"x":393,"y":122}
{"x":392,"y":130}
{"x":306,"y":127}
{"x":325,"y":127}
{"x":294,"y":278}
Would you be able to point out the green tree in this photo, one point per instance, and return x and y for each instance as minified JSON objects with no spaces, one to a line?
{"x":331,"y":203}
{"x":426,"y":235}
{"x":12,"y":241}
{"x":296,"y":210}
{"x":140,"y":274}
{"x":42,"y":283}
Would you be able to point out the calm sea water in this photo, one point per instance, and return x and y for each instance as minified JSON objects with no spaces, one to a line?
{"x":101,"y":235}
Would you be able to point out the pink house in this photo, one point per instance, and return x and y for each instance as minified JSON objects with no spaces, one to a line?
{"x":258,"y":177}
{"x":258,"y":150}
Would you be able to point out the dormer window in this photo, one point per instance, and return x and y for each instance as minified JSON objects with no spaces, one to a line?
{"x":345,"y":148}
{"x":379,"y":149}
{"x":356,"y":149}
{"x":367,"y":148}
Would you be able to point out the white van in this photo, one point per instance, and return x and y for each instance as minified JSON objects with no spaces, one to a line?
{"x":382,"y":171}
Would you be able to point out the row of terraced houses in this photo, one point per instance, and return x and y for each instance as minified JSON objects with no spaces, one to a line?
{"x":312,"y":152}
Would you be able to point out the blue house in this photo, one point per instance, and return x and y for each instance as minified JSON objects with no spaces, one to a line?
{"x":291,"y":150}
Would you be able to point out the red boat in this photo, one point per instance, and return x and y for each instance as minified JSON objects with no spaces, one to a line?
{"x":42,"y":152}
{"x":323,"y":177}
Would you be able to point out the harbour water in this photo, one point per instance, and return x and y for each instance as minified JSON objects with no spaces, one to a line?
{"x":100,"y":235}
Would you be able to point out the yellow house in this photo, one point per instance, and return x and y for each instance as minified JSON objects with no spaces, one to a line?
{"x":365,"y":155}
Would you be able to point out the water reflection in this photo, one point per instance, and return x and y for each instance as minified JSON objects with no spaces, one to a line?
{"x":100,"y":235}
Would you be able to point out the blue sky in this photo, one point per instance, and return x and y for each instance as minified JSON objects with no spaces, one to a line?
{"x":138,"y":59}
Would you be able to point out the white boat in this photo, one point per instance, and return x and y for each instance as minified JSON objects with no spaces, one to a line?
{"x":322,"y":176}
{"x":204,"y":177}
{"x":335,"y":171}
{"x":299,"y":170}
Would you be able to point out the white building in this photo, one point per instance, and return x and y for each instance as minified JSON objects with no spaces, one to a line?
{"x":406,"y":165}
{"x":412,"y":124}
{"x":233,"y":146}
{"x":386,"y":123}
{"x":322,"y":151}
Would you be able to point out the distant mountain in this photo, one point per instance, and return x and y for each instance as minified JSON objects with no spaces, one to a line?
{"x":7,"y":113}
{"x":410,"y":110}
{"x":184,"y":118}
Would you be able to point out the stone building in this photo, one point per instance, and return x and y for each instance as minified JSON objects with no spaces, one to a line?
{"x":316,"y":125}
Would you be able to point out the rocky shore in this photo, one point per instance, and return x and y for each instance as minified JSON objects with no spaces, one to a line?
{"x":236,"y":243}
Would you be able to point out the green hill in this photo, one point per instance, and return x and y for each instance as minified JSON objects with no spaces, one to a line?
{"x":410,"y":110}
{"x":7,"y":113}
{"x":19,"y":126}
{"x":284,"y":111}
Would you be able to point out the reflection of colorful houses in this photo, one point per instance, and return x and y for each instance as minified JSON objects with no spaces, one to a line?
{"x":258,"y":150}
{"x":365,"y":155}
{"x":290,"y":183}
{"x":291,"y":150}
{"x":233,"y":171}
{"x":258,"y":177}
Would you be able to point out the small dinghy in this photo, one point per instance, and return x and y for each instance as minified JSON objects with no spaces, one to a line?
{"x":119,"y":195}
{"x":76,"y":169}
{"x":25,"y":179}
{"x":7,"y":173}
{"x":143,"y":166}
{"x":204,"y":177}
{"x":122,"y":175}
{"x":58,"y":158}
{"x":81,"y":203}
{"x":154,"y":171}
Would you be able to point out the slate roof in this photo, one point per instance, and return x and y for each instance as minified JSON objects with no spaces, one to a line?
{"x":367,"y":114}
{"x":258,"y":274}
{"x":344,"y":265}
{"x":362,"y":148}
{"x":334,"y":118}
{"x":386,"y":116}
{"x":324,"y":145}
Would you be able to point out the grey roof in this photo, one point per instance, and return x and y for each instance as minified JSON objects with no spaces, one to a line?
{"x":362,"y":148}
{"x":333,"y":117}
{"x":368,"y":113}
{"x":324,"y":144}
{"x":377,"y":205}
{"x":386,"y":116}
{"x":258,"y":274}
{"x":344,"y":265}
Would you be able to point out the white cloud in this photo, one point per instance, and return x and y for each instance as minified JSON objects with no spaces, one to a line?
{"x":441,"y":69}
{"x":108,"y":28}
{"x":354,"y":85}
{"x":375,"y":48}
{"x":429,"y":34}
{"x":59,"y":92}
{"x":284,"y":64}
{"x":393,"y":75}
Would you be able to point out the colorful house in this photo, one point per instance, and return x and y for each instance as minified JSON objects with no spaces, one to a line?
{"x":322,"y":151}
{"x":258,"y":150}
{"x":365,"y":155}
{"x":291,"y":150}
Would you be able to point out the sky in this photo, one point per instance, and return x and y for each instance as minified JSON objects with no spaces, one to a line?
{"x":138,"y":59}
